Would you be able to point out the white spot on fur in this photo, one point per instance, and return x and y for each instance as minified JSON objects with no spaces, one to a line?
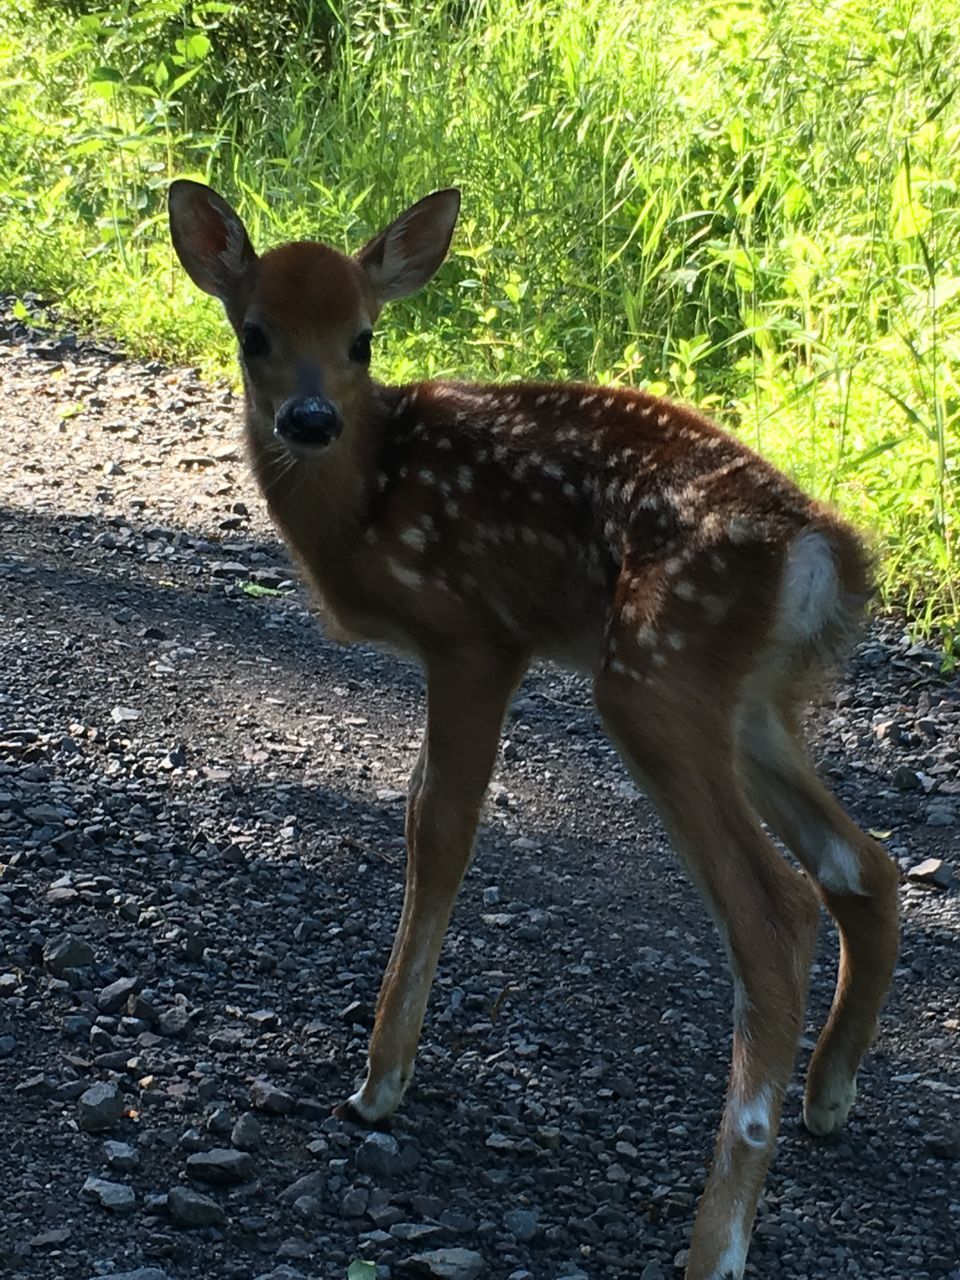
{"x":553,"y":470}
{"x":465,"y":478}
{"x":408,"y":577}
{"x":451,"y":508}
{"x":675,"y":640}
{"x":539,"y":400}
{"x":413,"y":538}
{"x":586,"y":401}
{"x":838,"y":867}
{"x":646,"y":637}
{"x":569,"y":490}
{"x":662,"y":419}
{"x":608,"y":401}
{"x":741,"y":530}
{"x":685,"y":590}
{"x":443,"y":442}
{"x":427,"y":476}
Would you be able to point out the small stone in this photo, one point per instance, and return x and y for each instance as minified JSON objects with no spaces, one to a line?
{"x":51,"y":1239}
{"x":174,"y":1022}
{"x":354,"y":1203}
{"x":522,"y":1224}
{"x":141,"y":1273}
{"x":190,"y":1209}
{"x":283,"y":1272}
{"x":8,"y":1045}
{"x":99,"y":1108}
{"x":307,"y":1208}
{"x":121,"y":1156}
{"x":933,"y":871}
{"x":220,"y":1165}
{"x":448,"y":1264}
{"x":905,"y":779}
{"x":379,"y":1155}
{"x":67,"y":952}
{"x":112,"y":998}
{"x":110,"y":1195}
{"x":246,"y":1133}
{"x":944,"y":1146}
{"x":652,"y":1271}
{"x":265,"y":1096}
{"x":311,"y":1184}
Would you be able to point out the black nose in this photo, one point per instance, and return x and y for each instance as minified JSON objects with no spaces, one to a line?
{"x":308,"y":420}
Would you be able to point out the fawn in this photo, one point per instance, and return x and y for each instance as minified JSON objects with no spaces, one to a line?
{"x":479,"y":527}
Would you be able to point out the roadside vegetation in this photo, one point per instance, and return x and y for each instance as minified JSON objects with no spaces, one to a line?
{"x":752,"y":207}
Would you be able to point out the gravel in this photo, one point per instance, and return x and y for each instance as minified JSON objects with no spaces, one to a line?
{"x":201,"y":839}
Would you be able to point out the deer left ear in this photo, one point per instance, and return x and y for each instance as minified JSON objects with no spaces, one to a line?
{"x":210,"y":240}
{"x":403,"y":257}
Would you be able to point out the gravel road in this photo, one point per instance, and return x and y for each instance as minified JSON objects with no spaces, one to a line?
{"x":201,"y":809}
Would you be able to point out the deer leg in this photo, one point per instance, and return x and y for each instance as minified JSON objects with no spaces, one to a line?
{"x":467,"y":696}
{"x":858,"y":884}
{"x":680,"y":750}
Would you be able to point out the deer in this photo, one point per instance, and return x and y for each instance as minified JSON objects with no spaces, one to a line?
{"x":479,"y":527}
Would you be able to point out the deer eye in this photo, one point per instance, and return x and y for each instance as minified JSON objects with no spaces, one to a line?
{"x":254,"y":342}
{"x":360,"y":351}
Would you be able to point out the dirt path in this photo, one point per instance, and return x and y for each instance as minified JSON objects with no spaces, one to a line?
{"x":206,"y":797}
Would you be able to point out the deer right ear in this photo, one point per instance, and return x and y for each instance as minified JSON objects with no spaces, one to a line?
{"x":403,"y":257}
{"x":210,"y":240}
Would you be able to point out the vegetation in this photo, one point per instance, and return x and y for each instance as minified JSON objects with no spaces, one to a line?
{"x":753,"y":207}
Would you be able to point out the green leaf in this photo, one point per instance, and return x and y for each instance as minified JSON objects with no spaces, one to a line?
{"x":359,"y":1270}
{"x":254,"y":589}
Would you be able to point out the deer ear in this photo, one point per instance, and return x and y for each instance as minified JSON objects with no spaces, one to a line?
{"x":210,"y":240}
{"x":403,"y":257}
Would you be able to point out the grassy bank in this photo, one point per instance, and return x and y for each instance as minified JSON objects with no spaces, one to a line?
{"x":754,"y":208}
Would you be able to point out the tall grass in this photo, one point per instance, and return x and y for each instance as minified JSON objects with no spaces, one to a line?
{"x":751,"y":207}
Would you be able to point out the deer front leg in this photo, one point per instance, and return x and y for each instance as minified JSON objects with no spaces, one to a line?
{"x":467,"y":696}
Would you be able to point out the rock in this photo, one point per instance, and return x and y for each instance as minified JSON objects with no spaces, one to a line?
{"x":99,"y":1108}
{"x":67,"y":952}
{"x":308,"y":1208}
{"x":354,"y":1203}
{"x":112,"y":998}
{"x":121,"y":1156}
{"x":51,"y":1239}
{"x":8,"y":1045}
{"x":944,"y":1146}
{"x":283,"y":1272}
{"x":652,"y":1271}
{"x":174,"y":1022}
{"x":941,"y":815}
{"x":190,"y":1209}
{"x":905,"y":779}
{"x":311,"y":1184}
{"x":447,"y":1264}
{"x":220,"y":1165}
{"x":266,"y":1096}
{"x":141,"y":1273}
{"x":522,"y":1224}
{"x":933,"y":871}
{"x":246,"y":1134}
{"x":111,"y":1195}
{"x":379,"y":1155}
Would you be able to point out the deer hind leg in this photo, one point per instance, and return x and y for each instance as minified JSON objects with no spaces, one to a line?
{"x":467,"y":695}
{"x":676,"y":735}
{"x":858,"y":884}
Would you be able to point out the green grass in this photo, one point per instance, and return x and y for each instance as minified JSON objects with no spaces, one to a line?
{"x":751,"y":207}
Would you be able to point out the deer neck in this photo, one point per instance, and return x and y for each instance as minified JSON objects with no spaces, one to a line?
{"x":320,"y":503}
